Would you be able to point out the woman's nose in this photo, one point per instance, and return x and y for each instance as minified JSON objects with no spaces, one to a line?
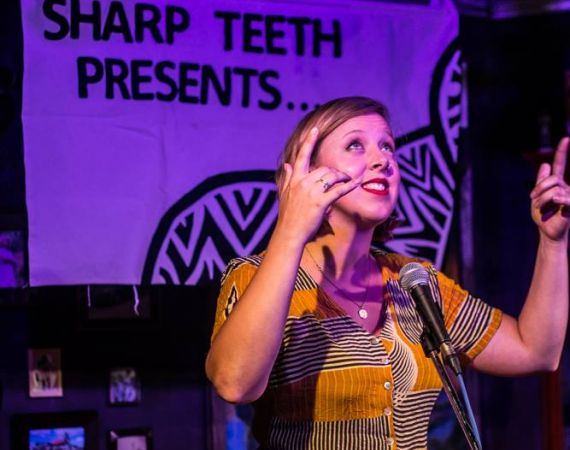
{"x":381,"y":162}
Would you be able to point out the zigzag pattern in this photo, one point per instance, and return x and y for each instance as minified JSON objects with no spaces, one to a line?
{"x":425,"y":205}
{"x":450,"y":103}
{"x":232,"y":220}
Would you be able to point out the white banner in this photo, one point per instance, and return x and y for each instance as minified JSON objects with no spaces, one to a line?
{"x":151,"y":129}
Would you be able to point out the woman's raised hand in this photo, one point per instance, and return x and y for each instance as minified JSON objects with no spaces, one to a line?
{"x":307,"y":194}
{"x":550,"y":207}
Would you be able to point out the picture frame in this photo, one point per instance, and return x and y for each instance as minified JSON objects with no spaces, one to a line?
{"x":118,"y":307}
{"x":124,"y":387}
{"x":12,"y":259}
{"x":45,"y":378}
{"x":77,"y":430}
{"x":131,"y":439}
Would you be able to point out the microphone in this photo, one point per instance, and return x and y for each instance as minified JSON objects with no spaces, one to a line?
{"x":414,"y":279}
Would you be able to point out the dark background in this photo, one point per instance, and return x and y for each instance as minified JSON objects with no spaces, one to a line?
{"x":516,"y":75}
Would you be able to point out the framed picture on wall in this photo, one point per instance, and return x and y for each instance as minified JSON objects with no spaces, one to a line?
{"x":118,"y":307}
{"x":124,"y":386}
{"x":44,"y":373}
{"x":12,"y":272}
{"x":130,"y":439}
{"x":68,"y":430}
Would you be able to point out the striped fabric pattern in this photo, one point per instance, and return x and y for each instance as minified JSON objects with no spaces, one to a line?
{"x":341,"y":435}
{"x":334,"y":385}
{"x":348,"y":345}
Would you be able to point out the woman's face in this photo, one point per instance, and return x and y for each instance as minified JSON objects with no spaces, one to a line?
{"x":363,"y":145}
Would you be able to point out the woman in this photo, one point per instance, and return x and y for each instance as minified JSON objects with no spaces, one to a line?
{"x":317,"y":331}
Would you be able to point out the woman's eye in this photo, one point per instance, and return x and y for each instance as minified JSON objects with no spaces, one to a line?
{"x":355,"y":145}
{"x":388,"y":147}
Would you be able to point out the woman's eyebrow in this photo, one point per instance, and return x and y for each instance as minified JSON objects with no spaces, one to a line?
{"x":352,"y":132}
{"x":387,"y":133}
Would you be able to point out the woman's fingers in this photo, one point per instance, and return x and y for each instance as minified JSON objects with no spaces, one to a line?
{"x":326,"y":177}
{"x":318,"y":173}
{"x":551,"y":189}
{"x":548,"y":176}
{"x":288,"y":172}
{"x":341,"y":189}
{"x":558,"y":194}
{"x":561,"y":199}
{"x":543,"y":172}
{"x":545,"y":184}
{"x":307,"y":197}
{"x":303,"y":161}
{"x":560,"y":157}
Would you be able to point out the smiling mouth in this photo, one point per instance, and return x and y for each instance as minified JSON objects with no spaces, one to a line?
{"x":377,"y":186}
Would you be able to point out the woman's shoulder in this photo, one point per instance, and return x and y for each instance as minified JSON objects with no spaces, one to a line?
{"x":242,"y":263}
{"x":393,"y":263}
{"x":253,"y":260}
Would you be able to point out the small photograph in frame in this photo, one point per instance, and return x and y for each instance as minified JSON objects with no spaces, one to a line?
{"x":64,"y":437}
{"x":55,"y":431}
{"x":124,"y":387}
{"x":44,"y":373}
{"x":131,"y":439}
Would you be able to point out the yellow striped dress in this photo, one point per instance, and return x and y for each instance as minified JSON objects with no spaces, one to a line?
{"x":336,"y":386}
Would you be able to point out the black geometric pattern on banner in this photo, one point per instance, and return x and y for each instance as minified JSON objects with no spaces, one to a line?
{"x":184,"y":229}
{"x":426,"y":200}
{"x":246,"y":207}
{"x":233,"y":214}
{"x":245,"y":235}
{"x":427,"y":159}
{"x":225,"y":216}
{"x":446,"y":92}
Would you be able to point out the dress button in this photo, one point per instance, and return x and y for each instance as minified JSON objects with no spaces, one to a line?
{"x":374,"y":340}
{"x":387,"y":411}
{"x":387,"y":385}
{"x":384,"y":360}
{"x":390,"y":441}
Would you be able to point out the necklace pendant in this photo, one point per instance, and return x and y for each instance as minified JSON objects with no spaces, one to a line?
{"x":363,"y":313}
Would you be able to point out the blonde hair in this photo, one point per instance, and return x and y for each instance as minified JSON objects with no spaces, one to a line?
{"x":327,"y":118}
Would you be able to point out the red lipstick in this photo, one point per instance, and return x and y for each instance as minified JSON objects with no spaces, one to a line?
{"x":376,"y":186}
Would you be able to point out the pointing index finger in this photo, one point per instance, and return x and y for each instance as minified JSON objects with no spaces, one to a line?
{"x":303,"y":160}
{"x":560,"y":157}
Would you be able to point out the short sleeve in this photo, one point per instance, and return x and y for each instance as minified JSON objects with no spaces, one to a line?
{"x":234,"y":281}
{"x":470,"y":321}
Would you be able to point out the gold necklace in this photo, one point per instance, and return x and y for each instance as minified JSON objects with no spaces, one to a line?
{"x":362,"y":312}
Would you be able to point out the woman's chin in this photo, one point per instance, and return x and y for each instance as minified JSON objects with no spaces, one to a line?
{"x":364,"y":219}
{"x":375,"y":217}
{"x":370,"y":222}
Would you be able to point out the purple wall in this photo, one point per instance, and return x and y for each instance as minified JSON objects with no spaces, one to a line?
{"x":168,"y":355}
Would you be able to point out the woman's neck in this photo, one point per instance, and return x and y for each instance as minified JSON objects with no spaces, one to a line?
{"x":342,"y":252}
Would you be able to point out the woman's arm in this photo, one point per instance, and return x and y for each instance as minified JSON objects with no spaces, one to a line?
{"x":244,"y":350}
{"x":534,"y":341}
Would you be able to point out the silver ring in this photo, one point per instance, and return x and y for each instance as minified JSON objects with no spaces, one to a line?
{"x":326,"y":185}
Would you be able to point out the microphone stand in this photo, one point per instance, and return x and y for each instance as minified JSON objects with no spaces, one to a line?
{"x":464,"y":414}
